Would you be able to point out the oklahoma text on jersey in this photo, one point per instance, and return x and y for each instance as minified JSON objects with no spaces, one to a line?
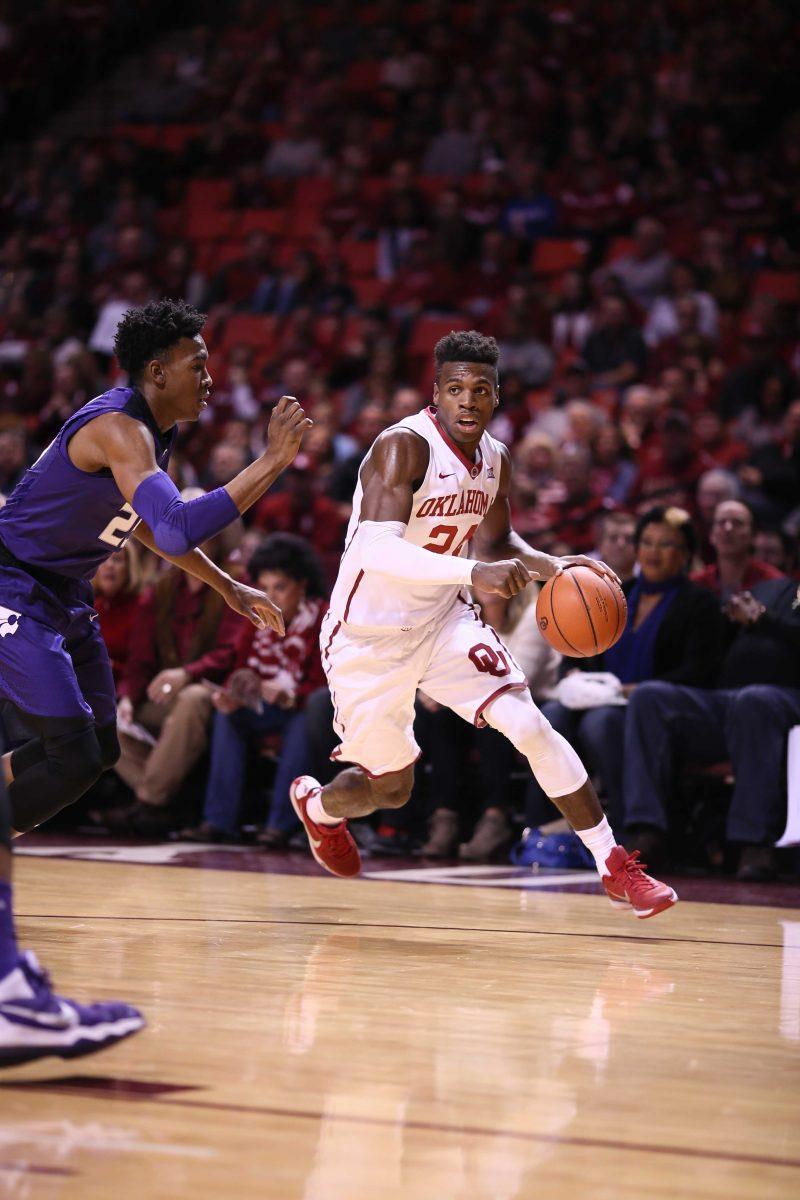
{"x":447,"y":509}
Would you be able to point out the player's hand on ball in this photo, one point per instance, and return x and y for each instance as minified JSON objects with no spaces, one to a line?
{"x":256,"y":606}
{"x":287,"y":425}
{"x":508,"y":577}
{"x":594,"y":564}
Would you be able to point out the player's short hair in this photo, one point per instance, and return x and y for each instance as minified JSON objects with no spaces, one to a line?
{"x":677,"y":518}
{"x":149,"y":332}
{"x":465,"y":346}
{"x":292,"y":555}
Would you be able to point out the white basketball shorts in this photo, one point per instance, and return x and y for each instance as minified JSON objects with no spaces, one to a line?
{"x":373,"y":676}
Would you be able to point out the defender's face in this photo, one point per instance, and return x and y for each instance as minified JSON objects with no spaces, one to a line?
{"x":187,"y":383}
{"x":466,"y":395}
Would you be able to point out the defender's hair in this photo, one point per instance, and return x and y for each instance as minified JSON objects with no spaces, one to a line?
{"x":292,"y":555}
{"x":466,"y":346}
{"x":149,"y":332}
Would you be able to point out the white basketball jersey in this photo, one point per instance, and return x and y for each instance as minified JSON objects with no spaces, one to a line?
{"x":447,"y":508}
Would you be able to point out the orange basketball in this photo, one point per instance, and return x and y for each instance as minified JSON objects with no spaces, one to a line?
{"x":580,"y":613}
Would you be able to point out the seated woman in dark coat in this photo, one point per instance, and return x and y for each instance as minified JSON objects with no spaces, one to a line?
{"x":674,"y":632}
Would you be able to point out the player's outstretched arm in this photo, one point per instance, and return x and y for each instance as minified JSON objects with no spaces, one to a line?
{"x":178,"y":526}
{"x":496,"y":539}
{"x":250,"y":602}
{"x":287,"y":424}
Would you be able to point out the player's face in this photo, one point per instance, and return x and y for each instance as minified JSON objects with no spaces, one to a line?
{"x":466,"y":395}
{"x":187,"y":381}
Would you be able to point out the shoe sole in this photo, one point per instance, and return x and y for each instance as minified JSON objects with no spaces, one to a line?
{"x":644,"y":913}
{"x":300,"y":816}
{"x":15,"y":1056}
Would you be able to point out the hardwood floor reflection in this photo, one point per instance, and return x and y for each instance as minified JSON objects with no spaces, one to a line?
{"x":311,"y":1039}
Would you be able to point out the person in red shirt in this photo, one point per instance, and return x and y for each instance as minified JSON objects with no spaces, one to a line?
{"x":736,"y":569}
{"x":182,"y":635}
{"x":302,"y":508}
{"x":266,"y":693}
{"x":116,"y":598}
{"x":670,"y":465}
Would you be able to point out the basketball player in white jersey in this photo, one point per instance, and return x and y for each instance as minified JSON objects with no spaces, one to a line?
{"x":401,"y":618}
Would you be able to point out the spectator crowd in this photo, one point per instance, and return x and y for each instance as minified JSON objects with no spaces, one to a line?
{"x":611,"y":189}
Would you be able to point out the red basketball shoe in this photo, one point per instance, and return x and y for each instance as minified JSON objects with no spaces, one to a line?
{"x":331,"y":845}
{"x":627,"y":886}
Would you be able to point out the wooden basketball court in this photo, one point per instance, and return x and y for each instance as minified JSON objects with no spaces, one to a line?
{"x":311,"y":1039}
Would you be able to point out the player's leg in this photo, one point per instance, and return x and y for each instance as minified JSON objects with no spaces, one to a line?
{"x":563,"y":778}
{"x":64,"y":690}
{"x":373,"y":682}
{"x":45,"y":783}
{"x":353,"y":793}
{"x":35,"y":1023}
{"x":474,"y":673}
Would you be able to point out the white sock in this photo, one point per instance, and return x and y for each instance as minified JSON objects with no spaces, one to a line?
{"x":317,"y":812}
{"x":599,"y":841}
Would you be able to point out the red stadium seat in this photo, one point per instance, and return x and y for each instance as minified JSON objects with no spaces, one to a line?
{"x":261,"y":220}
{"x":620,"y":246}
{"x":359,"y":258}
{"x":302,"y":223}
{"x":363,"y":76}
{"x":174,"y":138}
{"x":432,"y":186}
{"x":208,"y":193}
{"x":369,"y":292}
{"x":553,"y":256}
{"x":781,"y":285}
{"x":209,"y":224}
{"x":252,"y":330}
{"x":312,"y":193}
{"x":428,"y":330}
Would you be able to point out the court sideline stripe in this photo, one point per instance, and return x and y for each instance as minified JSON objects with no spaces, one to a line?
{"x":615,"y":937}
{"x":484,"y":1131}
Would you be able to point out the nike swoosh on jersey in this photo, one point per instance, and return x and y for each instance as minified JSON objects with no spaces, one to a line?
{"x":447,"y":474}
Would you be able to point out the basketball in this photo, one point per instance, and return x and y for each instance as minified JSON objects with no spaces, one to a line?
{"x":580,"y":613}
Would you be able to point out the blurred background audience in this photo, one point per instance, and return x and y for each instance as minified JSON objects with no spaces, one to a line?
{"x":338,"y":185}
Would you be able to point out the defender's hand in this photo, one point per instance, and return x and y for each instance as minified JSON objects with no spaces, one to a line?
{"x":508,"y":577}
{"x":594,"y":564}
{"x":256,"y":606}
{"x":287,"y":425}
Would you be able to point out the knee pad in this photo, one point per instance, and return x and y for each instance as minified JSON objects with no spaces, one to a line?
{"x":109,"y":745}
{"x":558,"y":769}
{"x":73,"y":751}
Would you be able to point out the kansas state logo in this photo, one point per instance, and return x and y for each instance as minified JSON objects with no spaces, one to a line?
{"x":9,"y":621}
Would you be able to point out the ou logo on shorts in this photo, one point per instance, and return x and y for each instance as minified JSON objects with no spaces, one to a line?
{"x":9,"y":621}
{"x":488,"y":660}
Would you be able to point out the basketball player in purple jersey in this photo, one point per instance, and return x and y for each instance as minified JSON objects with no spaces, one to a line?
{"x":102,"y":478}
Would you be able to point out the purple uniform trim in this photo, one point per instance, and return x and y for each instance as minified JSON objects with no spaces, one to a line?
{"x":178,"y":525}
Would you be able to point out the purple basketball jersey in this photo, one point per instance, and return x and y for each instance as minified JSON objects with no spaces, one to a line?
{"x":67,"y":520}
